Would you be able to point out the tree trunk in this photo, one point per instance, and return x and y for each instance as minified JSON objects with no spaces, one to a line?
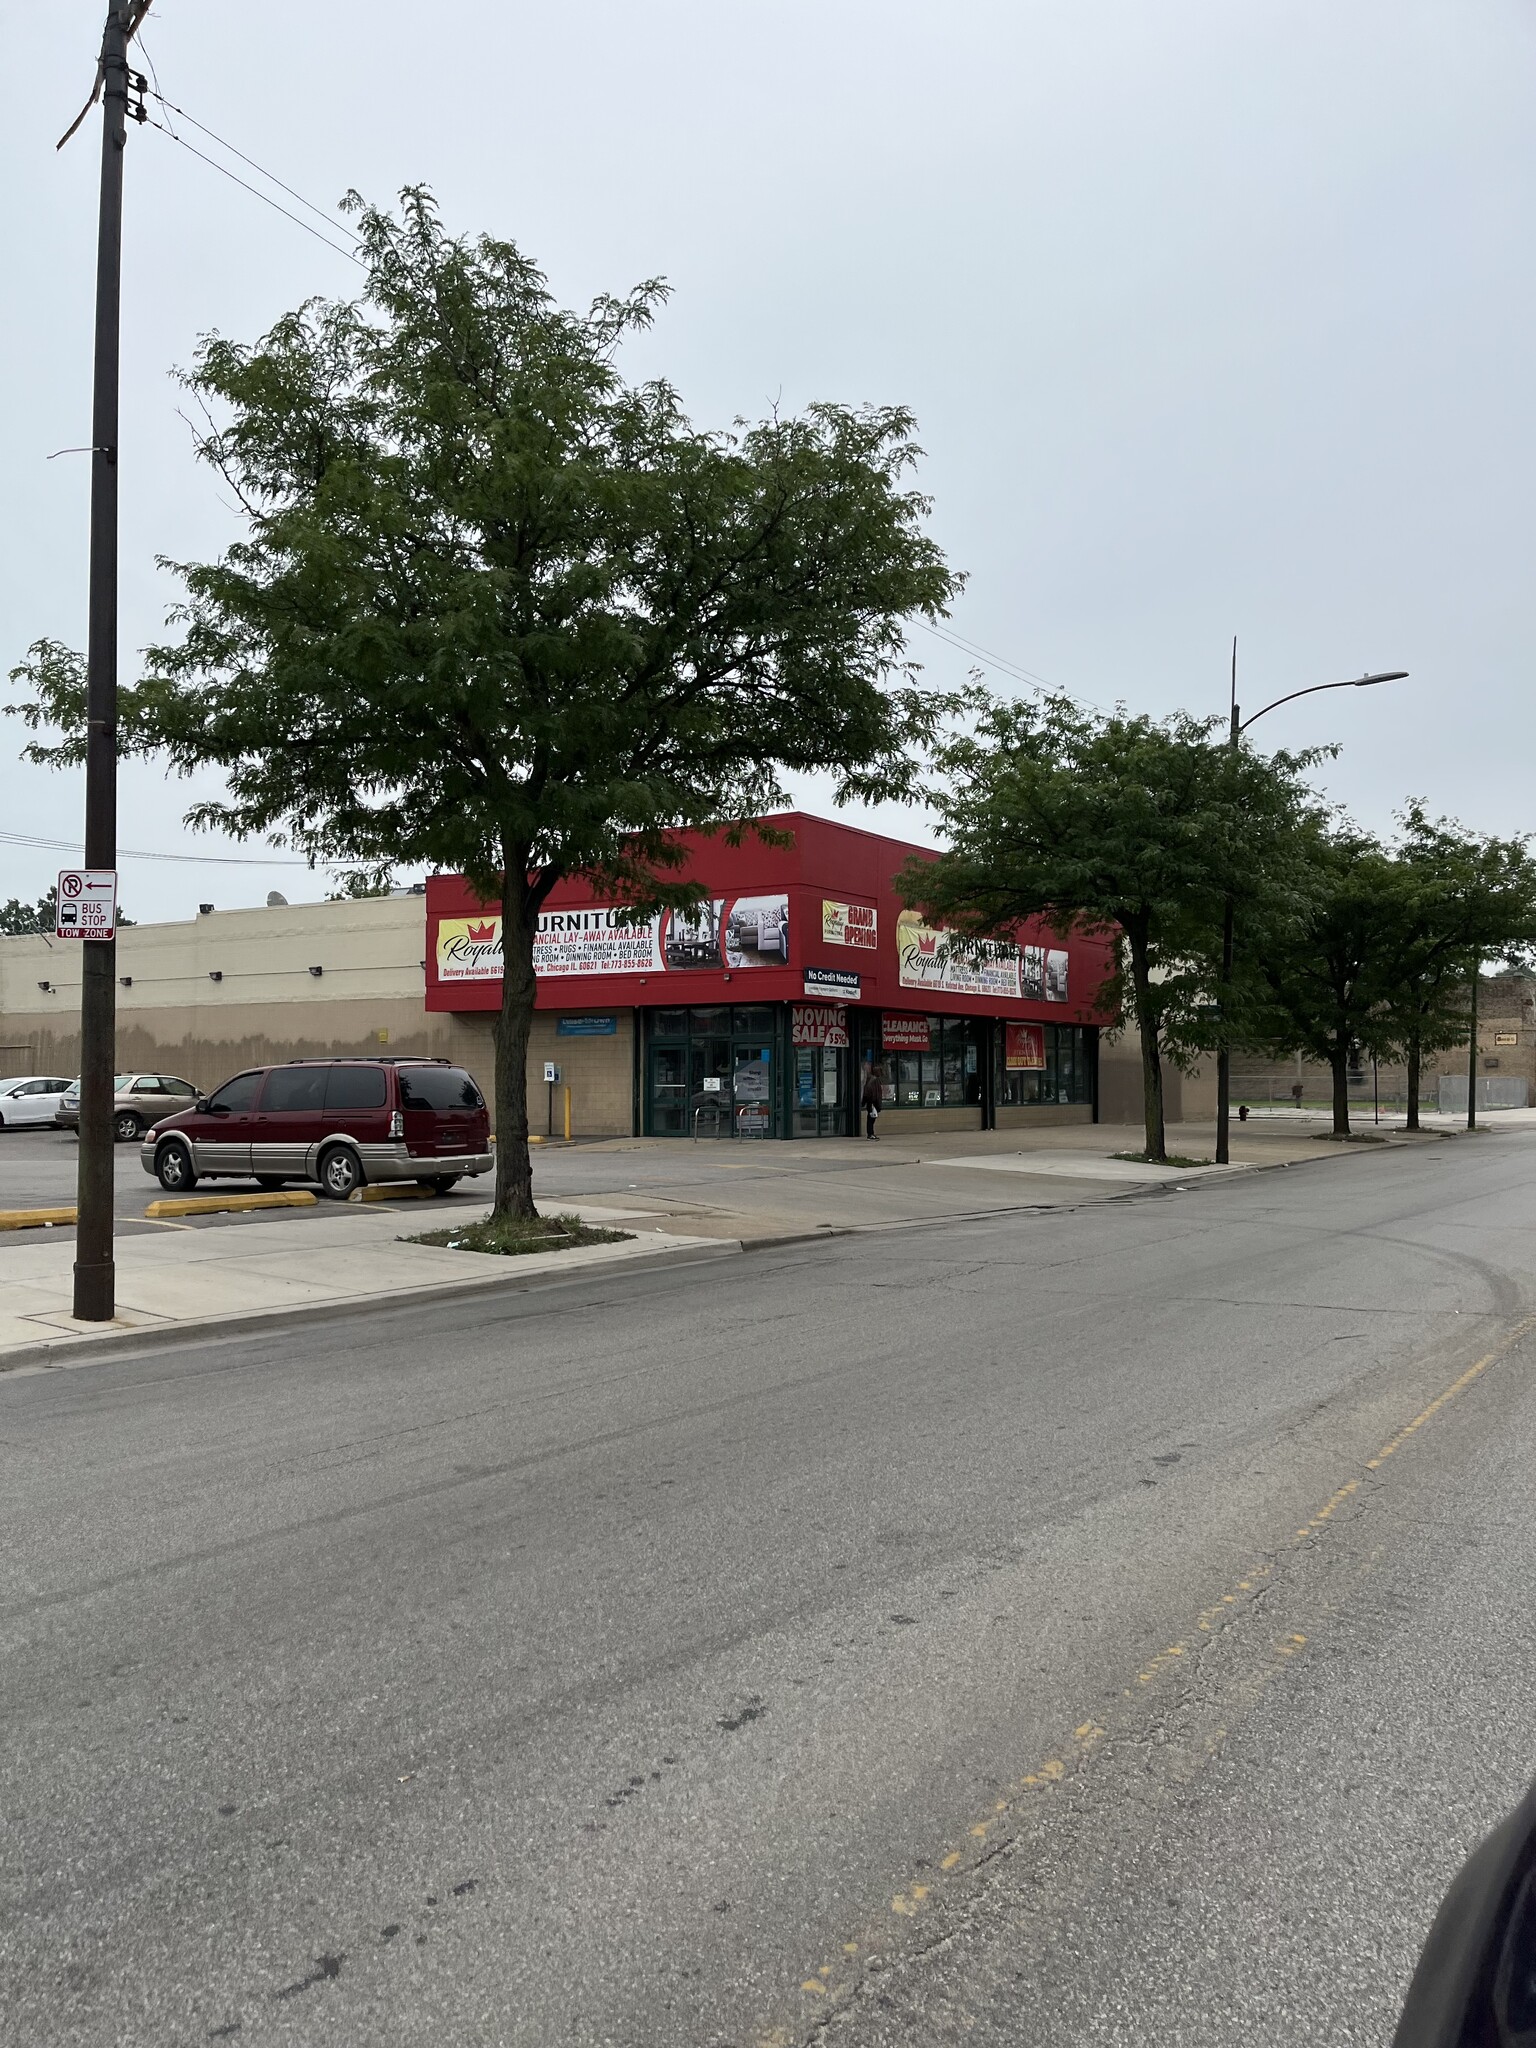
{"x":1415,"y":1061}
{"x":514,"y":1023}
{"x":1338,"y":1060}
{"x":1151,"y":1054}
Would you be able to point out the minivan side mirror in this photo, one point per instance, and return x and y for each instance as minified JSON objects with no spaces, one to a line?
{"x":207,"y":1108}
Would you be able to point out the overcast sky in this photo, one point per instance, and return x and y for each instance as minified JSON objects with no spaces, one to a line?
{"x":1216,"y":319}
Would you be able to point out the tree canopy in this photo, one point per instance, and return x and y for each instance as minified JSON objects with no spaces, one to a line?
{"x":495,"y":609}
{"x":1097,"y":821}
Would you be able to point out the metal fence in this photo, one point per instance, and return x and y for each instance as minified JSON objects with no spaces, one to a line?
{"x":1494,"y":1091}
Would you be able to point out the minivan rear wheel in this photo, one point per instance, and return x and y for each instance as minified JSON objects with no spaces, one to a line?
{"x":174,"y":1169}
{"x":440,"y":1183}
{"x":341,"y":1173}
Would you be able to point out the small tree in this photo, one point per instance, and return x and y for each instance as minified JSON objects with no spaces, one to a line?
{"x":1112,"y":823}
{"x":496,"y":610}
{"x":1472,"y":898}
{"x":1333,"y":960}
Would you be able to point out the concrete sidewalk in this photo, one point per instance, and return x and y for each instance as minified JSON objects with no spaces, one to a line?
{"x":260,"y":1269}
{"x":759,"y":1192}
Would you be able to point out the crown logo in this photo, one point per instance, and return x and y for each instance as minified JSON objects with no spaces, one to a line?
{"x":482,"y":934}
{"x":928,"y":943}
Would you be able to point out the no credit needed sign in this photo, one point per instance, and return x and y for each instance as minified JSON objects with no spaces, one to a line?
{"x":87,"y":906}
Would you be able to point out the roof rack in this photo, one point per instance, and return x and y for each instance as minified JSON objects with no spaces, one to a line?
{"x":368,"y":1059}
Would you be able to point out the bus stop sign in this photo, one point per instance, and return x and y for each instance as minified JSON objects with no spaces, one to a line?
{"x":87,"y":905}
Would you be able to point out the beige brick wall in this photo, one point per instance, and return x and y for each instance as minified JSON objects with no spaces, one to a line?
{"x":369,"y":997}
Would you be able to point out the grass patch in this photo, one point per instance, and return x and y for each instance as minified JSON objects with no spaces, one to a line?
{"x":513,"y":1237}
{"x":1171,"y":1159}
{"x":1352,"y":1138}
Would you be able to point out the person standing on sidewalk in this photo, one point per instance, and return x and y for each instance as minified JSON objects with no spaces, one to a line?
{"x":870,"y":1101}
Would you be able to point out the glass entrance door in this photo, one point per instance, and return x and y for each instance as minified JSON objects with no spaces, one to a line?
{"x":753,"y":1090}
{"x":819,"y":1101}
{"x":667,"y":1094}
{"x":709,"y":1083}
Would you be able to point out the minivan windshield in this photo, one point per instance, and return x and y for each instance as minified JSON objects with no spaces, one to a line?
{"x":438,"y":1088}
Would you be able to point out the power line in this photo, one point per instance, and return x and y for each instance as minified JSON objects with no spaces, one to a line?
{"x":321,"y":212}
{"x":224,"y":170}
{"x":971,"y":647}
{"x":233,"y":860}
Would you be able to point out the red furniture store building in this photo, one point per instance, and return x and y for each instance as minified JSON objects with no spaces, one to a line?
{"x":759,"y":1013}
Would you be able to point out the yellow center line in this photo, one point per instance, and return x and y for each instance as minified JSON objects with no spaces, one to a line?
{"x":909,"y":1903}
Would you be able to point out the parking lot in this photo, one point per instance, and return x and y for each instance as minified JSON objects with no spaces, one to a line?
{"x":38,"y":1170}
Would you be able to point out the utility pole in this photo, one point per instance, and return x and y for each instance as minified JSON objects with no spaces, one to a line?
{"x":1477,"y":968}
{"x":1224,"y":1050}
{"x":94,"y":1274}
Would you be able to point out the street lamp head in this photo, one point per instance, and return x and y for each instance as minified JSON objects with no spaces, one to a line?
{"x":1392,"y":675}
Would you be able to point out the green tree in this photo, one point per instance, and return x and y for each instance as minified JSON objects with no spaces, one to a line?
{"x":1105,"y":822}
{"x":1332,"y":961}
{"x":1471,"y":899}
{"x":359,"y":884}
{"x":497,"y":610}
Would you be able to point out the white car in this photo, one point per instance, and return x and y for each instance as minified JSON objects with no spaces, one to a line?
{"x":34,"y":1099}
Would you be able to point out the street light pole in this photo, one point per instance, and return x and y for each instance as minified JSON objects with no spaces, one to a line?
{"x":1237,"y":728}
{"x":1228,"y":915}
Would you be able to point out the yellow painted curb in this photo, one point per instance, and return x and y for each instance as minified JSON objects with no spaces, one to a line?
{"x":392,"y":1191}
{"x":33,"y":1219}
{"x":211,"y":1205}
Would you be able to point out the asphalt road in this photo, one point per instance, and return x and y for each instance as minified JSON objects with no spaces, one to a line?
{"x":1048,"y":1629}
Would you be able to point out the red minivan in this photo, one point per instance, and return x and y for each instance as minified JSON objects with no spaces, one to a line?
{"x":338,"y":1122}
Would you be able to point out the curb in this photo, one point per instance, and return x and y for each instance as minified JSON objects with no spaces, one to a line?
{"x":57,"y":1353}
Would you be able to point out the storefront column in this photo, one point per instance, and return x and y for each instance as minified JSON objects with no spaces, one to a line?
{"x":991,"y":1038}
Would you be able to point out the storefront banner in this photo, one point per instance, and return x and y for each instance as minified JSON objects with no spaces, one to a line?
{"x":905,"y":1034}
{"x":749,"y":931}
{"x":586,"y":1027}
{"x":756,"y":932}
{"x":469,"y":949}
{"x":1023,"y":1047}
{"x":929,"y":958}
{"x":818,"y":1024}
{"x":832,"y":983}
{"x":1055,"y":977}
{"x":595,"y":941}
{"x":849,"y":924}
{"x":1032,"y":973}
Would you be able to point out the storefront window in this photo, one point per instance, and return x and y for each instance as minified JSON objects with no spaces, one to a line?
{"x":1067,"y":1076}
{"x":669,"y":1024}
{"x":946,"y":1077}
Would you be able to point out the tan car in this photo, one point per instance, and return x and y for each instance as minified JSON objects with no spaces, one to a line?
{"x":138,"y":1100}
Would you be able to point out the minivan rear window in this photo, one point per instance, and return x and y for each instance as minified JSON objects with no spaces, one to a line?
{"x":439,"y":1088}
{"x":355,"y":1088}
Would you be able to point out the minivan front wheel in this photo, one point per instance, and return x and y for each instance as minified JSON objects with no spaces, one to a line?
{"x":341,"y":1173}
{"x":174,"y":1170}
